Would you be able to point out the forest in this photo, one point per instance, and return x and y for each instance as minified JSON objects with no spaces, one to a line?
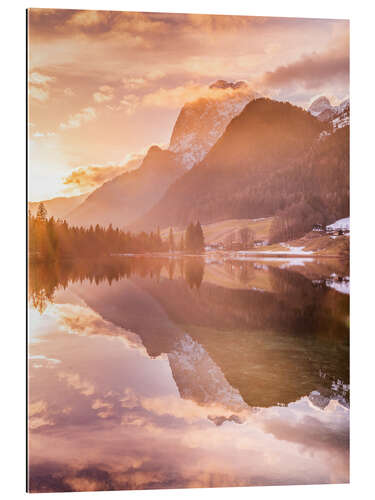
{"x":51,"y":239}
{"x":273,"y":159}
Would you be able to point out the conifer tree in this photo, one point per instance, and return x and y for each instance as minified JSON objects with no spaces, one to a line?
{"x":182,"y":243}
{"x":199,"y":238}
{"x":42,"y":212}
{"x":171,"y":240}
{"x":189,"y":237}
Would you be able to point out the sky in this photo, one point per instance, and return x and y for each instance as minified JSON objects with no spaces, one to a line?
{"x":104,"y":86}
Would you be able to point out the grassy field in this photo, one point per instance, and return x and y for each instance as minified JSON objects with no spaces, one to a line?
{"x":218,"y":231}
{"x":312,"y":244}
{"x":316,"y":243}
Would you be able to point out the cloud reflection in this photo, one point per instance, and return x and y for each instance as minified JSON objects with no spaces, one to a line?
{"x":109,"y":416}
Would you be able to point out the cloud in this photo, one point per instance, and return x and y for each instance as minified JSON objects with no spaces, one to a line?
{"x":155,"y":74}
{"x":79,"y":320}
{"x":39,"y":94}
{"x":106,"y":409}
{"x":218,"y":23}
{"x":37,"y":408}
{"x":69,"y":92}
{"x":75,"y":381}
{"x":133,"y":83}
{"x":87,"y":178}
{"x":90,"y":177}
{"x":311,"y":432}
{"x":129,"y":103}
{"x":76,"y":120}
{"x":36,"y":78}
{"x":87,"y":18}
{"x":109,"y":24}
{"x":38,"y":415}
{"x":176,"y":97}
{"x":38,"y":86}
{"x":44,"y":134}
{"x":129,"y":26}
{"x":104,"y":94}
{"x":139,"y":82}
{"x":310,"y":71}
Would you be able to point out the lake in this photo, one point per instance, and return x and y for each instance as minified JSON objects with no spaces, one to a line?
{"x":151,"y":372}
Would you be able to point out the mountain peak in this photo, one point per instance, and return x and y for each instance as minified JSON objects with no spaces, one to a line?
{"x":263,"y":139}
{"x":320,"y":104}
{"x":154,"y":149}
{"x":200,"y":123}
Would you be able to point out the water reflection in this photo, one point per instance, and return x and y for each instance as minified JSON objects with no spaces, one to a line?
{"x":165,"y":373}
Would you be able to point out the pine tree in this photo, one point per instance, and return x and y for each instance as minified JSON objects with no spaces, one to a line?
{"x":199,"y":237}
{"x":41,"y":214}
{"x":171,"y":240}
{"x":182,"y":243}
{"x":159,"y":242}
{"x":194,"y":239}
{"x":189,"y":237}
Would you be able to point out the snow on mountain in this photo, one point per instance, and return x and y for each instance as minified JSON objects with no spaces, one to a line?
{"x":319,"y":105}
{"x":339,"y":115}
{"x":342,"y":120}
{"x":201,"y":122}
{"x":343,"y":105}
{"x":199,"y":378}
{"x":327,"y":403}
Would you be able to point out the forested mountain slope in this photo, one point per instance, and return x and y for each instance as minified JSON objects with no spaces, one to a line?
{"x":270,"y":158}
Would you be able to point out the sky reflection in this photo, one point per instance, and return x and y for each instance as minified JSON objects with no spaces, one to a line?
{"x":106,"y":414}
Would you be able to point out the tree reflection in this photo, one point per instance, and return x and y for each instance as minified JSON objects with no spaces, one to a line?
{"x":46,"y":277}
{"x":194,"y":270}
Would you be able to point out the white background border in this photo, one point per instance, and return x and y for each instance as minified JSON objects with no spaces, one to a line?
{"x":12,"y":245}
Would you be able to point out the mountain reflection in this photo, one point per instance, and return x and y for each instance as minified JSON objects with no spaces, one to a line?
{"x":170,"y":347}
{"x":273,"y":345}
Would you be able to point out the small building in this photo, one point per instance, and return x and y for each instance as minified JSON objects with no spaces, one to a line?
{"x":320,"y":228}
{"x":259,"y":243}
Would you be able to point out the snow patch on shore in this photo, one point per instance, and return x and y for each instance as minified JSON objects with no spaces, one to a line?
{"x":343,"y":224}
{"x":297,"y":250}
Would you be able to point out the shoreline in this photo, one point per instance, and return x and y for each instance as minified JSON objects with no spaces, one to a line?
{"x":240,"y":255}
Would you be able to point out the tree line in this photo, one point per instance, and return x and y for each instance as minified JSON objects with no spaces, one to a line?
{"x":52,"y":239}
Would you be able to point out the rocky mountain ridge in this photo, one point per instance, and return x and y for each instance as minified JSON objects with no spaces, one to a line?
{"x":338,"y":115}
{"x":200,"y":123}
{"x":251,"y":157}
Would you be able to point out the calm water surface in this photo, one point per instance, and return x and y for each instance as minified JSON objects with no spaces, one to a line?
{"x":168,"y":373}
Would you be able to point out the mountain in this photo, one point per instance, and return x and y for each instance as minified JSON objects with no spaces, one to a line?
{"x":320,"y":105}
{"x":338,"y":115}
{"x":342,"y":115}
{"x":58,"y":207}
{"x":200,"y":123}
{"x":263,"y":163}
{"x":126,"y":197}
